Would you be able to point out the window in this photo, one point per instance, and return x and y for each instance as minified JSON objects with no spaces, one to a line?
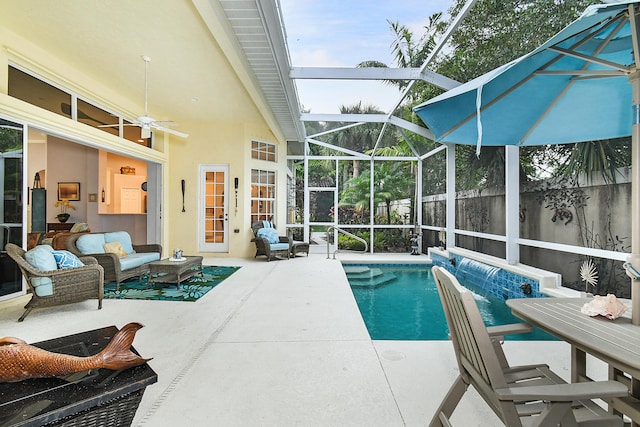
{"x":263,"y":195}
{"x":263,"y":151}
{"x":36,"y":91}
{"x":39,"y":93}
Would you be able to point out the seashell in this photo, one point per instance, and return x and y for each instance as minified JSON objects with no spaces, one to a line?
{"x":608,"y":307}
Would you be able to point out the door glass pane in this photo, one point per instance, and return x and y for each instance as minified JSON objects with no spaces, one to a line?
{"x":11,"y":206}
{"x":321,"y":206}
{"x":214,"y":207}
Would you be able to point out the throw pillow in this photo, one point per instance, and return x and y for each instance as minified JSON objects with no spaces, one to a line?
{"x":120,"y":236}
{"x":41,"y":258}
{"x":115,"y":248}
{"x":271,"y":234}
{"x":79,"y":227}
{"x":65,"y":259}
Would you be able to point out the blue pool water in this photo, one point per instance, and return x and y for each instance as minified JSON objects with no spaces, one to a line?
{"x":401,"y":302}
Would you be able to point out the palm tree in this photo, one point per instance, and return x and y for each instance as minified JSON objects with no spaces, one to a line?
{"x":358,"y":138}
{"x":392,"y":181}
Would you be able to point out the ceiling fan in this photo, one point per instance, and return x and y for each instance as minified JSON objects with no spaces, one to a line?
{"x":146,"y":122}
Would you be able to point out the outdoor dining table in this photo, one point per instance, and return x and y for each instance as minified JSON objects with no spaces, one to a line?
{"x":615,"y":342}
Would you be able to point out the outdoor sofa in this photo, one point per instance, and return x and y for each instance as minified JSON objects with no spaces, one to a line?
{"x":114,"y":251}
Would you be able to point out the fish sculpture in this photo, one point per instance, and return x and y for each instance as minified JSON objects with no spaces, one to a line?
{"x":21,"y":361}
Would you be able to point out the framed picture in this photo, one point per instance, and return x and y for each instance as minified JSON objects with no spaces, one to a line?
{"x":69,"y":191}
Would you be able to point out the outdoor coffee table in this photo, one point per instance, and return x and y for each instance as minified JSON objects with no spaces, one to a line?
{"x":169,"y":271}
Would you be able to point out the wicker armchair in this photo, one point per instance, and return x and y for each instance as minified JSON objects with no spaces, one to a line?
{"x":69,"y":284}
{"x":271,"y":251}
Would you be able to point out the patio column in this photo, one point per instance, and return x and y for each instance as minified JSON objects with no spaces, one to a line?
{"x":451,"y":196}
{"x":634,"y":258}
{"x":417,"y":205}
{"x":305,"y":213}
{"x":512,"y":203}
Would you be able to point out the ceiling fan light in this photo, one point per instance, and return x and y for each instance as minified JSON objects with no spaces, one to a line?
{"x":145,"y":132}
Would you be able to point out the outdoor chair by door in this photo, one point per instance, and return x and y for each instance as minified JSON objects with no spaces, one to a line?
{"x":268,"y":242}
{"x":518,"y":395}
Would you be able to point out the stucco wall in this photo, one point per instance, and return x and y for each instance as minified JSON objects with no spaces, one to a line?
{"x":227,"y":144}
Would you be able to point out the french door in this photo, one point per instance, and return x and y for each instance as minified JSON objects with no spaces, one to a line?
{"x":213,"y":207}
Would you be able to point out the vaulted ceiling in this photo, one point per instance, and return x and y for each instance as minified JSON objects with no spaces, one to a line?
{"x":203,"y":53}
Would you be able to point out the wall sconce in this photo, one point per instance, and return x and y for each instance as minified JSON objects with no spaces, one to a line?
{"x":183,"y":188}
{"x":236,"y":182}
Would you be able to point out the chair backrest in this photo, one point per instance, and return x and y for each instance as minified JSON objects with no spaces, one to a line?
{"x":17,"y":254}
{"x":478,"y":361}
{"x":261,"y":224}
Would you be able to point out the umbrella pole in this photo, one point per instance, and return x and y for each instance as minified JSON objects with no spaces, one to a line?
{"x":634,"y":258}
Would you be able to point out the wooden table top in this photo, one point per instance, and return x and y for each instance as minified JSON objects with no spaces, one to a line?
{"x":616,"y":342}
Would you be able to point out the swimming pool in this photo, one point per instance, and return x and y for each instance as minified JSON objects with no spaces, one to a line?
{"x":401,"y":302}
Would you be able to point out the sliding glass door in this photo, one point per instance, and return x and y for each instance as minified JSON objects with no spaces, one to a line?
{"x":11,"y":208}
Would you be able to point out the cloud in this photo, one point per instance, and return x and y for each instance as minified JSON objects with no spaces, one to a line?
{"x":343,"y":33}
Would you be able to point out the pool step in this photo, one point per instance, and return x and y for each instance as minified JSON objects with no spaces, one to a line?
{"x":355,"y":269}
{"x":365,"y":277}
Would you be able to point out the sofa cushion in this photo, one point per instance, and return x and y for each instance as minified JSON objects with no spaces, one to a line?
{"x":271,"y":234}
{"x":120,"y":236}
{"x":91,"y":243}
{"x":115,"y":248}
{"x":65,"y":259}
{"x":41,"y":258}
{"x":137,"y":259}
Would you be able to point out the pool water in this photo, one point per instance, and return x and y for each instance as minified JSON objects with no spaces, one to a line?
{"x":401,"y":302}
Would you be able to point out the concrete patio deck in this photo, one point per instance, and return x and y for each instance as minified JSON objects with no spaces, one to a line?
{"x":279,"y":343}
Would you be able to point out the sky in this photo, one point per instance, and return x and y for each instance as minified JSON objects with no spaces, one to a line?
{"x":343,"y":33}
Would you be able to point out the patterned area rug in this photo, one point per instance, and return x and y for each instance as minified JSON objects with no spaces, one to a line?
{"x":190,"y":290}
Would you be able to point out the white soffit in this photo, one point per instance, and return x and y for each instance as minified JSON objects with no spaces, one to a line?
{"x":259,"y":29}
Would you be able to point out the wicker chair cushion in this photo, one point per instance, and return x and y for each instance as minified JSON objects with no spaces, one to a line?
{"x":65,"y":259}
{"x":91,"y":243}
{"x":279,"y":247}
{"x":120,"y":236}
{"x":271,"y":234}
{"x":41,"y":258}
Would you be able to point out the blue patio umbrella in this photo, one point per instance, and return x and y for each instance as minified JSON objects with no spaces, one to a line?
{"x":581,"y":85}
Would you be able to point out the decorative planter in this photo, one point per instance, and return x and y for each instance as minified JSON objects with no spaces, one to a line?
{"x":63,"y":217}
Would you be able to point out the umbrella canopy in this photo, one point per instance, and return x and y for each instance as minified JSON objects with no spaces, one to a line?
{"x":581,"y":85}
{"x":573,"y":88}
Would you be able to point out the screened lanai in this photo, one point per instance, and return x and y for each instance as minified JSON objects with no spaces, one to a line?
{"x":521,"y":211}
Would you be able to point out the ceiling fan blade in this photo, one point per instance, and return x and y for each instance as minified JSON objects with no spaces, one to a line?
{"x":109,"y":126}
{"x":171,"y":131}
